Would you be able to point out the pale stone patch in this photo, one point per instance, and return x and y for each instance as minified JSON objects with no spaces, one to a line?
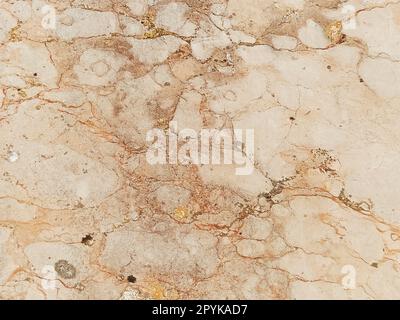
{"x":31,"y":58}
{"x":326,"y":291}
{"x":154,"y":51}
{"x":134,"y":215}
{"x":186,"y":252}
{"x":257,"y":55}
{"x":8,"y":263}
{"x":44,"y":180}
{"x":218,"y":8}
{"x":171,"y":197}
{"x":187,"y":114}
{"x":81,"y":23}
{"x":251,"y":248}
{"x":206,"y":42}
{"x":239,"y":94}
{"x":98,"y":67}
{"x":310,"y":267}
{"x":380,"y":30}
{"x":295,"y":4}
{"x":361,"y":162}
{"x":365,"y":239}
{"x":385,"y":282}
{"x":130,"y":294}
{"x":172,"y":17}
{"x":254,"y":18}
{"x":131,"y":27}
{"x":373,"y":71}
{"x":138,"y":7}
{"x":186,"y":69}
{"x":12,"y":156}
{"x":7,"y":22}
{"x":241,"y":37}
{"x":256,"y":228}
{"x":268,"y":135}
{"x":163,"y":76}
{"x":284,"y":42}
{"x":313,"y":35}
{"x":42,"y":254}
{"x":22,"y":10}
{"x":14,"y":210}
{"x":221,"y":22}
{"x":68,"y":96}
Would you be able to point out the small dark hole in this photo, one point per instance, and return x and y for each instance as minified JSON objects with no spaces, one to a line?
{"x":86,"y":240}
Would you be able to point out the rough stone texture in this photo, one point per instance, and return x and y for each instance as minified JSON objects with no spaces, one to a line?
{"x":81,"y":209}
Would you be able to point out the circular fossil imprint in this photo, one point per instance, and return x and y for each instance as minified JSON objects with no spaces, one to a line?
{"x":65,"y":270}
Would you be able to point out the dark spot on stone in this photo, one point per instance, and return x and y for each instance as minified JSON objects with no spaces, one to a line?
{"x":361,"y":80}
{"x":87,"y":240}
{"x":131,"y":279}
{"x":79,"y":205}
{"x":292,"y":118}
{"x":64,"y":269}
{"x":35,"y":74}
{"x":374,"y":264}
{"x":329,"y":67}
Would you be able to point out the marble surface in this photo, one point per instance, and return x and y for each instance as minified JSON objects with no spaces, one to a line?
{"x":84,"y":214}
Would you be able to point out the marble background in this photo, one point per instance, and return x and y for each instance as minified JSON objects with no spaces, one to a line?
{"x":83,"y":215}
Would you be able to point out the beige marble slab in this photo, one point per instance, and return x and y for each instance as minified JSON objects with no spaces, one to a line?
{"x":306,"y":96}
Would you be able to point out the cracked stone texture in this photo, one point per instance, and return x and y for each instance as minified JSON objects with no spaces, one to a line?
{"x":76,"y":191}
